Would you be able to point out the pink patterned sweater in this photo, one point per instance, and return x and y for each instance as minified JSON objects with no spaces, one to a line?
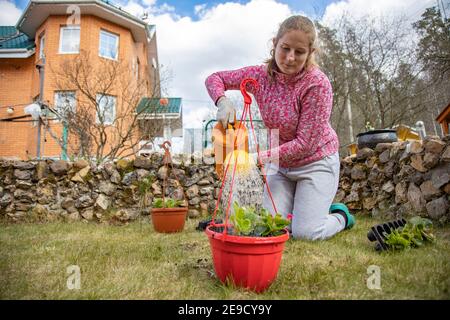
{"x":298,"y":106}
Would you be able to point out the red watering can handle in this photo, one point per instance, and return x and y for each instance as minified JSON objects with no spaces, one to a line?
{"x":167,"y":160}
{"x":247,"y":98}
{"x":164,"y":145}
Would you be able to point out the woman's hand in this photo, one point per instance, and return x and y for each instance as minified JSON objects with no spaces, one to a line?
{"x":226,"y":112}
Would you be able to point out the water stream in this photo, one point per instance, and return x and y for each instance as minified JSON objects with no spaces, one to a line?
{"x":247,"y":188}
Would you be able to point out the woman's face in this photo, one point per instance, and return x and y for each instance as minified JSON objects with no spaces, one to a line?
{"x":292,"y":51}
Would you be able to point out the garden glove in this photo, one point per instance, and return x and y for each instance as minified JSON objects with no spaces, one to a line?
{"x":226,"y":112}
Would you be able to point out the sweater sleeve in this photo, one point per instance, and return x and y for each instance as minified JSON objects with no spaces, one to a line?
{"x":219,"y":82}
{"x":315,"y":110}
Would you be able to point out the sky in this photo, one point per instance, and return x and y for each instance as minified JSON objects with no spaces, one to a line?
{"x":196,"y":38}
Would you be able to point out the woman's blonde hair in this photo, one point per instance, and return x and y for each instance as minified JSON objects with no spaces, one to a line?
{"x":301,"y":23}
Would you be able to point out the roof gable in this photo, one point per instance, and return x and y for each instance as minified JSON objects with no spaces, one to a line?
{"x":37,"y":11}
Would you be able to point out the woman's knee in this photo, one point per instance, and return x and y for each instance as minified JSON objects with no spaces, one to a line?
{"x":309,"y":233}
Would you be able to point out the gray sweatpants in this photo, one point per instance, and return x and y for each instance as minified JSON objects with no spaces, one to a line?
{"x":307,"y":192}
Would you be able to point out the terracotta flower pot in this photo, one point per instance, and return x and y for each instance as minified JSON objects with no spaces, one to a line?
{"x":249,"y":262}
{"x":168,"y":220}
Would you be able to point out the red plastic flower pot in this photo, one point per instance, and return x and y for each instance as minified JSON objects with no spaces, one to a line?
{"x":249,"y":262}
{"x":168,"y":220}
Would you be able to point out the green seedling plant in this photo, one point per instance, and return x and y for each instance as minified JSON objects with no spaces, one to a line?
{"x":144,"y":189}
{"x":168,"y":203}
{"x":414,"y":234}
{"x":246,"y":221}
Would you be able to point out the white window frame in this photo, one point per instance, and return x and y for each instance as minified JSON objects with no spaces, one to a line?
{"x":61,"y":33}
{"x":57,"y":99}
{"x":100,"y":97}
{"x":41,"y":46}
{"x":104,"y":32}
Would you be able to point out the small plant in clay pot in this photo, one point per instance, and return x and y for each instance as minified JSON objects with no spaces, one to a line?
{"x":254,"y":240}
{"x":246,"y":248}
{"x":168,"y":215}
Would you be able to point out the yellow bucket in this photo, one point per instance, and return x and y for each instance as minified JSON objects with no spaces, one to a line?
{"x":404,"y":133}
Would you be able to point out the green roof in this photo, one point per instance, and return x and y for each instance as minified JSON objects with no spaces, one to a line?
{"x":11,"y":38}
{"x":152,"y":106}
{"x":7,"y":31}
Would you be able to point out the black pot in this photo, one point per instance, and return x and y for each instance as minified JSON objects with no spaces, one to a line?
{"x":203,"y":224}
{"x":371,"y":138}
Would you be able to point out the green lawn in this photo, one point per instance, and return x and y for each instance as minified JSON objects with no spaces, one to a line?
{"x":135,"y":262}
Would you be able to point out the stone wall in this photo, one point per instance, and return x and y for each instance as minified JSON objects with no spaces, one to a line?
{"x":399,"y":179}
{"x":49,"y":190}
{"x":394,"y":180}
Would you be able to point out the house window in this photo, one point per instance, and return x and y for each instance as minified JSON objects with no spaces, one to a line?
{"x":65,"y":103}
{"x":69,"y":41}
{"x":41,"y":47}
{"x":109,"y":45}
{"x":106,"y":111}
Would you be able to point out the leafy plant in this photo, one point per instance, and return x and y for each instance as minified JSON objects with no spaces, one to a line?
{"x":168,"y":203}
{"x":144,"y":189}
{"x":414,"y":234}
{"x":247,"y":221}
{"x":145,"y":185}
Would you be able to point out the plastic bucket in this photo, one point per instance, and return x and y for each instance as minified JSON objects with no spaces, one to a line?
{"x":249,"y":262}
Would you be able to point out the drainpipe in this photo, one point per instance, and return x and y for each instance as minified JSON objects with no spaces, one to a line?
{"x":40,"y":67}
{"x":64,"y":137}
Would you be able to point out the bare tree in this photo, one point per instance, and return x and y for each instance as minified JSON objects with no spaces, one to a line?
{"x":333,"y":61}
{"x":433,"y":53}
{"x":378,"y":50}
{"x":105,"y":124}
{"x":372,"y":63}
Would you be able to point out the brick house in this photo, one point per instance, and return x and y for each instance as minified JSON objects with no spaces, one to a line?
{"x":50,"y":33}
